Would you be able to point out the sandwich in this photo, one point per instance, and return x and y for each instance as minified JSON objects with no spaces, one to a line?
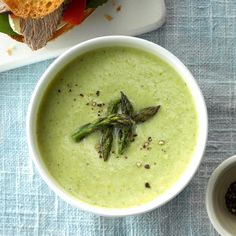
{"x":35,"y":22}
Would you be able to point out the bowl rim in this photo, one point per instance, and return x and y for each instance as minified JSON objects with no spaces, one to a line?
{"x":209,"y":194}
{"x":144,"y":45}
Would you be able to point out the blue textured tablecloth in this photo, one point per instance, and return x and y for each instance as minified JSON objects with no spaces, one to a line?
{"x":202,"y":33}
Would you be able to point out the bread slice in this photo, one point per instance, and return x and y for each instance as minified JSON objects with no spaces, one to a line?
{"x":32,"y":8}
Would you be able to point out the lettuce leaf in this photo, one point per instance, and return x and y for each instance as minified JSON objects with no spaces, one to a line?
{"x":5,"y":25}
{"x":95,"y":3}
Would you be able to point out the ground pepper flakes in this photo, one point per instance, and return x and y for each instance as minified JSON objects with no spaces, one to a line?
{"x":147,"y":166}
{"x":161,"y":142}
{"x":139,"y":164}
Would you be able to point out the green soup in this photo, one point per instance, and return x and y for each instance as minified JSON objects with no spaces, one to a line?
{"x":74,"y":98}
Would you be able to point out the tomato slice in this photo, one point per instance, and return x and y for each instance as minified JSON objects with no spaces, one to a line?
{"x":74,"y":13}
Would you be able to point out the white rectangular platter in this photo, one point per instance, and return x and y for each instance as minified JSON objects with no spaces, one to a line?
{"x":134,"y":18}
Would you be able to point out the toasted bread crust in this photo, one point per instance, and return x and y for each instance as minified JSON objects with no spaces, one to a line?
{"x":32,"y":8}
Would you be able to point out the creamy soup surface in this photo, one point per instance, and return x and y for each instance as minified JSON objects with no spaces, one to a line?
{"x":142,"y":173}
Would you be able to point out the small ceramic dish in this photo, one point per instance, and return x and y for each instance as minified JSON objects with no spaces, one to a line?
{"x":223,"y":221}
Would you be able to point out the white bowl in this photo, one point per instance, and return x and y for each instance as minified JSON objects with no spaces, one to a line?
{"x":223,"y":221}
{"x":132,"y":42}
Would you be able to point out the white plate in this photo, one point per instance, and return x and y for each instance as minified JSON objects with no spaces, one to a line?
{"x":136,"y":17}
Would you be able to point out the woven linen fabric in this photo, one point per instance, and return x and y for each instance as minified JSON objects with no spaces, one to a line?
{"x":201,"y":33}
